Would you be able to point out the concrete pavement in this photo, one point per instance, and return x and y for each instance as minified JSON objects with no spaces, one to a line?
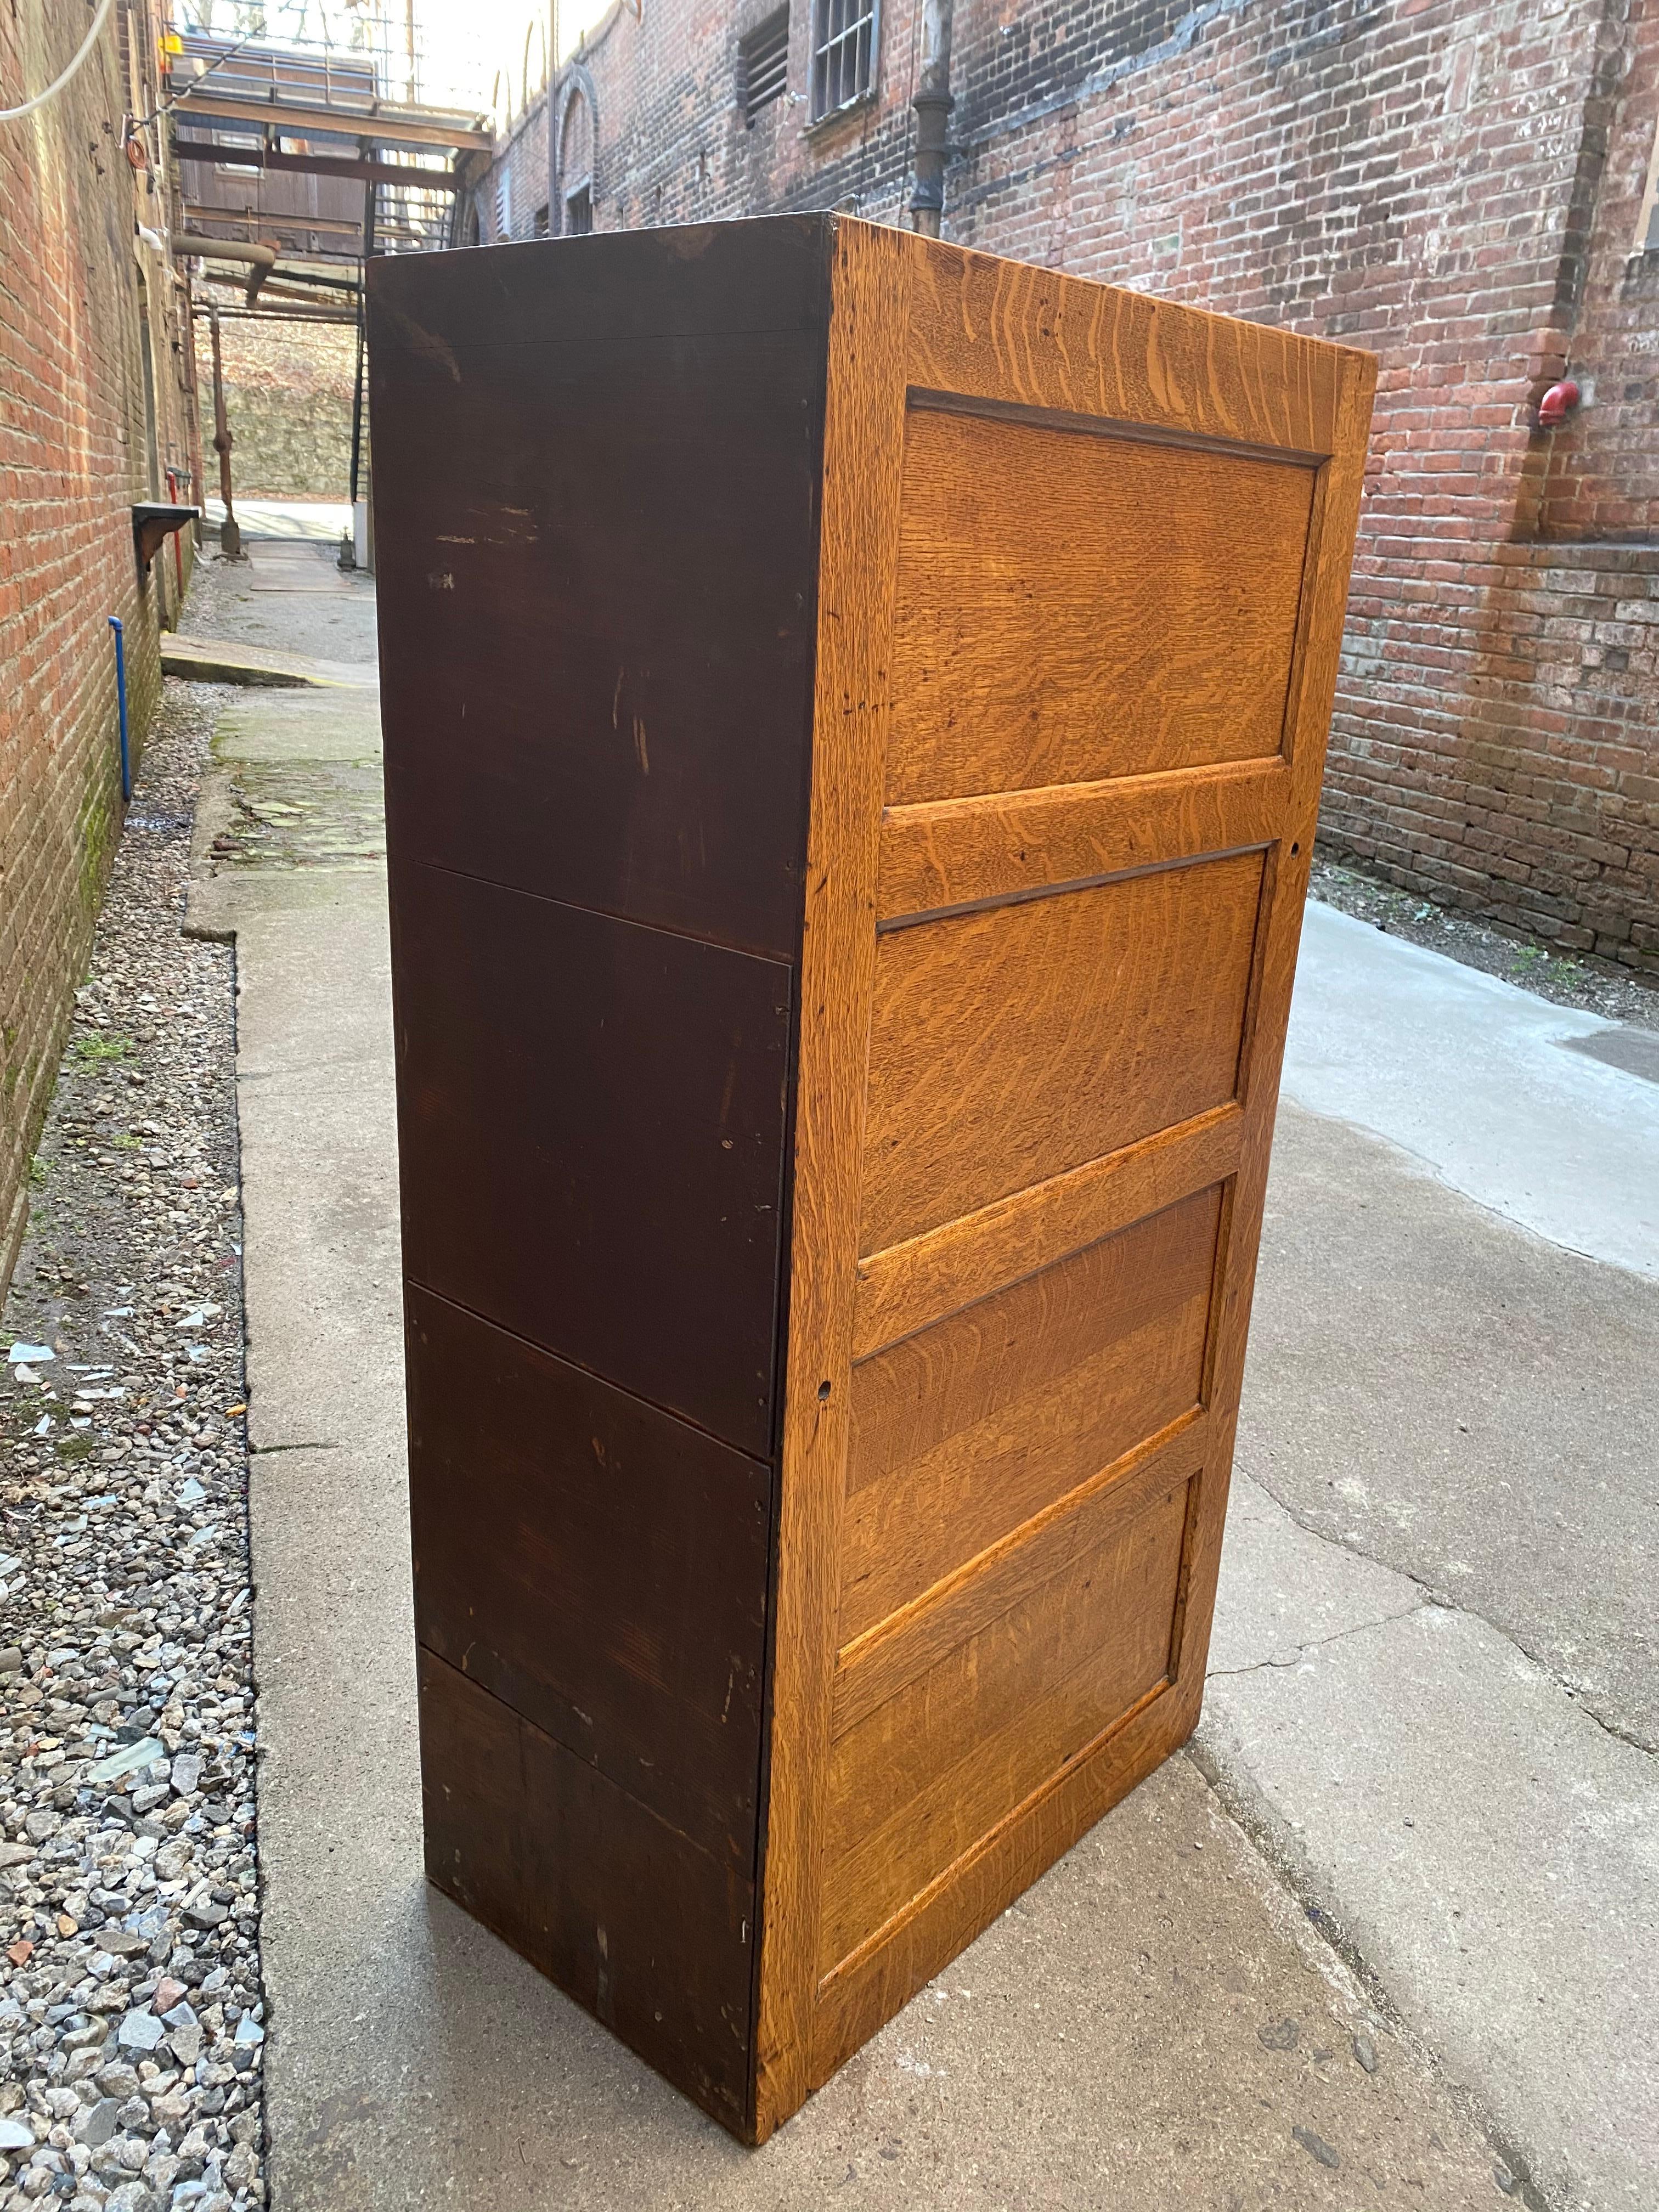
{"x":1433,"y":1691}
{"x":1427,"y":1753}
{"x":412,"y":2060}
{"x":1472,"y":1076}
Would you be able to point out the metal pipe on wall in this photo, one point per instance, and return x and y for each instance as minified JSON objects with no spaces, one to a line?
{"x":230,"y":535}
{"x":121,"y":703}
{"x":932,"y":103}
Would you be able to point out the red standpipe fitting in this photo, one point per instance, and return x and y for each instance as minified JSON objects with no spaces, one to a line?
{"x":1557,"y":403}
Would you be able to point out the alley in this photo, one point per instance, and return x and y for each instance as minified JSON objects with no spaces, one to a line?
{"x":1426,"y":1706}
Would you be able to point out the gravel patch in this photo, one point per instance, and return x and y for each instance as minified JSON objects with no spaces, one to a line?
{"x":1593,"y":985}
{"x":130,"y":2007}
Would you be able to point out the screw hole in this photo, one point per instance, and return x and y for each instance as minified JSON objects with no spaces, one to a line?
{"x":823,"y":1392}
{"x":1295,"y":849}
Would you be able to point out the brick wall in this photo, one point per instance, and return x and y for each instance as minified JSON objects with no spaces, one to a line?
{"x":1454,"y":184}
{"x":81,"y":300}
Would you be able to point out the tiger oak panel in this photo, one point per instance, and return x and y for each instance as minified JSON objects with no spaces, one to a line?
{"x":1031,"y":645}
{"x":932,"y":1769}
{"x":962,"y":1432}
{"x":1009,"y":1045}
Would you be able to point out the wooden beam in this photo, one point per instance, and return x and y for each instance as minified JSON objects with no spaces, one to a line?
{"x":316,"y":165}
{"x":385,"y":126}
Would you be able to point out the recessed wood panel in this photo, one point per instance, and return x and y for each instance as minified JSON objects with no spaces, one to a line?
{"x":1009,"y":1046}
{"x":960,"y":1434}
{"x":1071,"y":608}
{"x":915,"y":1783}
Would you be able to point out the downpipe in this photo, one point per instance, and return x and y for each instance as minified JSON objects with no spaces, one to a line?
{"x":932,"y":103}
{"x":121,"y":704}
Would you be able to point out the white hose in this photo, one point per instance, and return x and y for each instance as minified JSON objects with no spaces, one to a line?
{"x":11,"y":114}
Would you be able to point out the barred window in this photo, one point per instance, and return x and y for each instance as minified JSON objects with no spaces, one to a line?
{"x":763,"y":65}
{"x":844,"y":34}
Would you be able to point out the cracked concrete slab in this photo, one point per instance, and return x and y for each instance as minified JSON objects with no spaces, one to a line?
{"x":1453,"y":1396}
{"x":1487,"y":1849}
{"x":1285,"y":1590}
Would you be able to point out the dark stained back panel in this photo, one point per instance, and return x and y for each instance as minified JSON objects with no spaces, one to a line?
{"x":596,"y":1565}
{"x":592,"y":1887}
{"x":596,"y":502}
{"x":596,"y":485}
{"x":591,"y":1117}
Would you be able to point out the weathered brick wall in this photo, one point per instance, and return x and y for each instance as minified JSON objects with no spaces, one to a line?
{"x":288,"y":401}
{"x":1454,"y":183}
{"x":520,"y":165}
{"x":75,"y":453}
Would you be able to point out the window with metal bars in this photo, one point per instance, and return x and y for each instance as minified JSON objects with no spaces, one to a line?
{"x":844,"y":36}
{"x":763,"y":65}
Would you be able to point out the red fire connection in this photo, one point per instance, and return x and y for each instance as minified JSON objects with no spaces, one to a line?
{"x":1557,"y":403}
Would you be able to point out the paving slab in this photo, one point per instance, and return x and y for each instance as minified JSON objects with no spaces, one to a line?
{"x":220,"y":660}
{"x":1483,"y":1844}
{"x":1467,"y":1072}
{"x":1450,"y":1395}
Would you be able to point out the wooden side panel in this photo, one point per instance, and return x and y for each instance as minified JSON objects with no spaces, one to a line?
{"x":612,"y":1902}
{"x":597,"y":476}
{"x":1101,"y":606}
{"x":964,"y":1433}
{"x":1009,"y":1046}
{"x":1154,"y":631}
{"x":596,"y":1565}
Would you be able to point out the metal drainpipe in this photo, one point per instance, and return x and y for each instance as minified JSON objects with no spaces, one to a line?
{"x":230,"y":535}
{"x":121,"y":703}
{"x":932,"y":103}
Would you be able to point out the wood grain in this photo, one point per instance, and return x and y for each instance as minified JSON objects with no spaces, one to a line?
{"x":999,"y":330}
{"x":911,"y":1285}
{"x":889,"y":1656}
{"x":863,"y":446}
{"x":964,"y":1431}
{"x":596,"y":488}
{"x":1009,"y":1046}
{"x":878,"y":1979}
{"x":651,"y":1933}
{"x":598,"y":1565}
{"x":959,"y":853}
{"x":1026,"y":657}
{"x":592,"y":1138}
{"x":914,"y":1783}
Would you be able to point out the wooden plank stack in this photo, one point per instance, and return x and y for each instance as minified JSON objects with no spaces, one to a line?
{"x":854,"y":712}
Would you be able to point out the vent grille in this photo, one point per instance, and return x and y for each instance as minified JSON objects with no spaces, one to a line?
{"x":763,"y":65}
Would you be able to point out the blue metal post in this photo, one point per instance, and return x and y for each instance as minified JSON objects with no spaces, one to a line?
{"x":121,"y":696}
